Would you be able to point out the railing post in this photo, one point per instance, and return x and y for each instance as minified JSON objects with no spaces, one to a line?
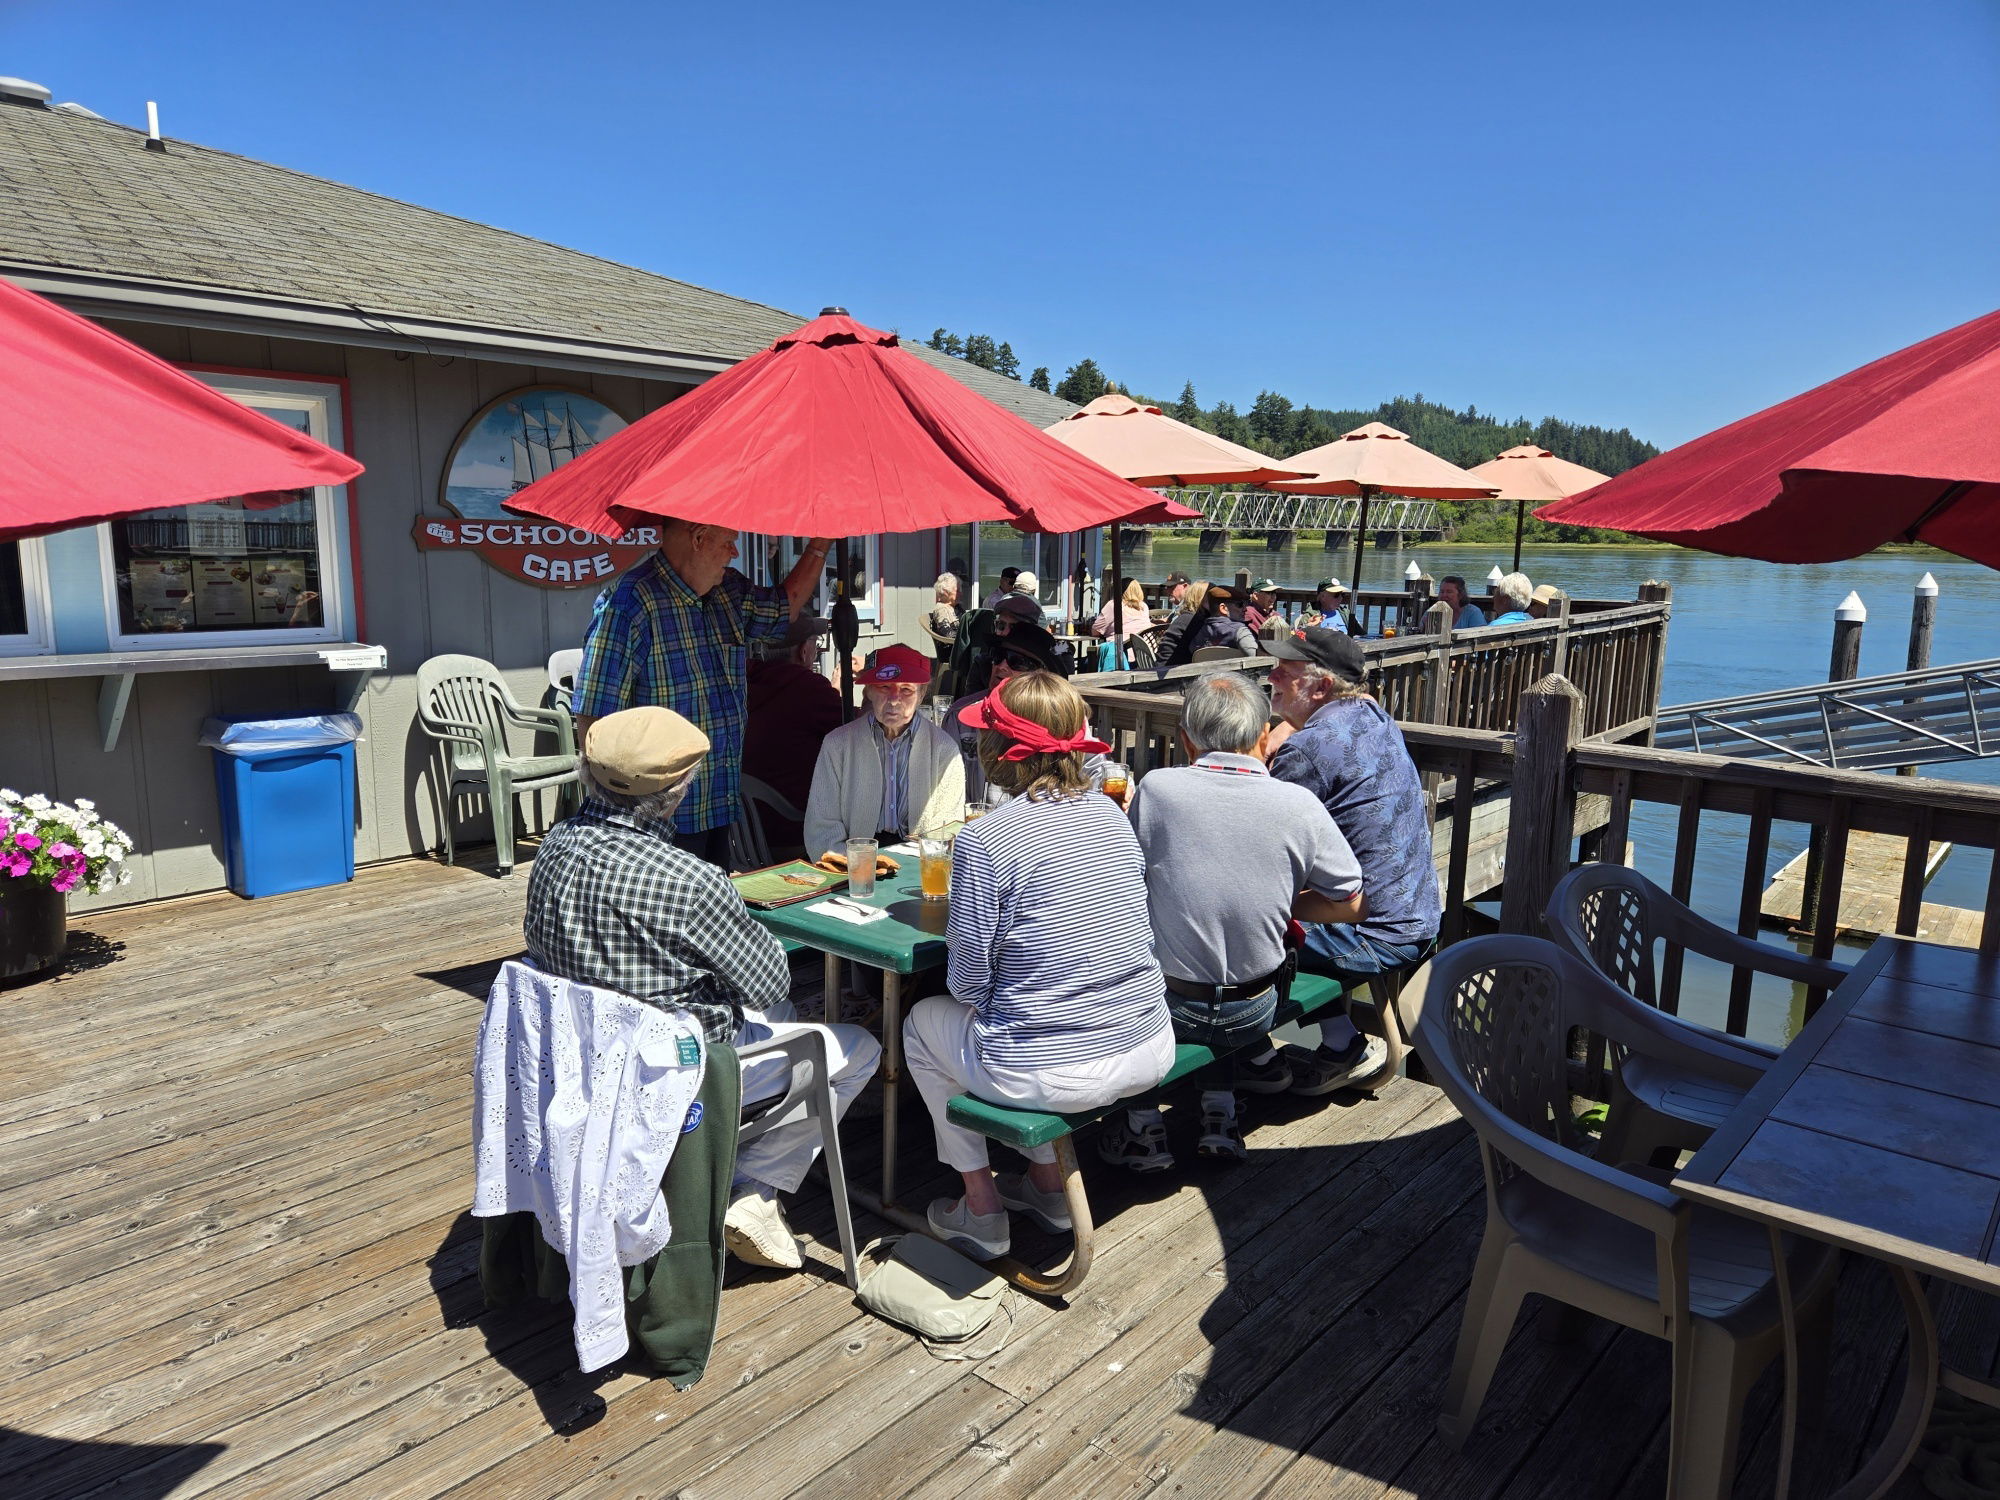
{"x":1541,"y":820}
{"x":1560,"y":662}
{"x":1652,"y":591}
{"x":1436,"y":623}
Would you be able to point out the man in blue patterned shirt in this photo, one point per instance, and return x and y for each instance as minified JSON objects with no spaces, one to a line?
{"x":1348,"y":752}
{"x":675,"y":632}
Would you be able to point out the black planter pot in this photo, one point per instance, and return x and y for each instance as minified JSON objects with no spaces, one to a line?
{"x":33,"y":927}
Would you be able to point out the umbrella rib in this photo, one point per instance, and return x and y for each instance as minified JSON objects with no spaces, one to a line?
{"x":1953,"y":493}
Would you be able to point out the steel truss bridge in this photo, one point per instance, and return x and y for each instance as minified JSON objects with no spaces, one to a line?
{"x":1864,"y":724}
{"x":1265,"y":510}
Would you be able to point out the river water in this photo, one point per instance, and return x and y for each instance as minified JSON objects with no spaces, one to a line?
{"x":1738,"y":627}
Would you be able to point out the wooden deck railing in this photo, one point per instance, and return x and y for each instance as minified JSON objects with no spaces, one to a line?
{"x":1472,"y":680}
{"x":1548,"y":765}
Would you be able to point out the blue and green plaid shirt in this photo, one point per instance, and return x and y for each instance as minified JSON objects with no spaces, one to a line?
{"x":654,"y":640}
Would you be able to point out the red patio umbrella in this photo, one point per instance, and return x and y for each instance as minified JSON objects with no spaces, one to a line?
{"x":94,"y":427}
{"x":835,"y":430}
{"x":1904,"y":449}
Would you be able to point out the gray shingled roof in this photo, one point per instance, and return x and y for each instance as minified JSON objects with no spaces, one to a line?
{"x":85,"y":195}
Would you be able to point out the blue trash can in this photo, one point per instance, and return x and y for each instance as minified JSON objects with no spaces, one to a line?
{"x":286,"y":789}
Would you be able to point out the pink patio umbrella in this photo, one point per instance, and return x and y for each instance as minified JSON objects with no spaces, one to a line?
{"x":1531,"y":475}
{"x":1375,"y":459}
{"x":1141,"y":443}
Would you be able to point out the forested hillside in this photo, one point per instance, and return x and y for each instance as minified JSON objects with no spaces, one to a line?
{"x":1276,"y":426}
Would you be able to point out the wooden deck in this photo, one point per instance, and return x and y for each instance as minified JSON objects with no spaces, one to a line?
{"x":236,"y":1262}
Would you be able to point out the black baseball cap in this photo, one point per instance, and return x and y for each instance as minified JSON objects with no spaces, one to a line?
{"x":1177,"y":577}
{"x":1339,"y":654}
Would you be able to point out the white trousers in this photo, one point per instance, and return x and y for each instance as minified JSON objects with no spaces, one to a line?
{"x":944,"y":1061}
{"x":779,"y":1159}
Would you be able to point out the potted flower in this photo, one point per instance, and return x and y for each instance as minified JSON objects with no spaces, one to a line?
{"x":47,"y":850}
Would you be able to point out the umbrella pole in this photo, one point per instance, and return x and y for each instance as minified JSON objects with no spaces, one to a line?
{"x":846,"y":634}
{"x":1117,"y":601}
{"x":1520,"y":520}
{"x":1360,"y":541}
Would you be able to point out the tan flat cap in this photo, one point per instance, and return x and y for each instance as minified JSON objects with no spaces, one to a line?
{"x":1547,"y":593}
{"x":639,"y":751}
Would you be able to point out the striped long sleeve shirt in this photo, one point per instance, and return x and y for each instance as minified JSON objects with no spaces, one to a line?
{"x":1050,"y":941}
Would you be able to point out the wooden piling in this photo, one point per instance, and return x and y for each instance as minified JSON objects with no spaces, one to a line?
{"x":1923,"y":620}
{"x":1541,"y":819}
{"x":1848,"y":618}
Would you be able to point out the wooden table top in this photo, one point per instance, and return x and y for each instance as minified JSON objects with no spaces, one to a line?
{"x":1878,"y":1129}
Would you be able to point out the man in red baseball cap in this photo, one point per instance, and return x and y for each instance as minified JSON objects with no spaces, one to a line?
{"x":891,"y":774}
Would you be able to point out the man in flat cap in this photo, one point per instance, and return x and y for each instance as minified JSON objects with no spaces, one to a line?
{"x":615,"y":902}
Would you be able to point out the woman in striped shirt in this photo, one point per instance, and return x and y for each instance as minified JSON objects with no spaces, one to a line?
{"x":1056,"y":1000}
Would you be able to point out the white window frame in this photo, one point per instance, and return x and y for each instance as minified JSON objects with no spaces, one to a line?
{"x":325,"y":422}
{"x":39,"y":638}
{"x":867,"y":606}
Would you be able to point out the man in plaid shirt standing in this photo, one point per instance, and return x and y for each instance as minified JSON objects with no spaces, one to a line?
{"x":675,"y":632}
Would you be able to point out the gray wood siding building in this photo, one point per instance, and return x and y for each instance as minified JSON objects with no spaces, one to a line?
{"x":87,"y":215}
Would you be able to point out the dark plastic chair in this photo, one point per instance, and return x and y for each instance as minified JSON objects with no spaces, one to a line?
{"x":1492,"y":1017}
{"x":1614,"y":919}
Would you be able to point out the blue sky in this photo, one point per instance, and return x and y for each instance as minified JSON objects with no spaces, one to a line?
{"x":1655,"y":216}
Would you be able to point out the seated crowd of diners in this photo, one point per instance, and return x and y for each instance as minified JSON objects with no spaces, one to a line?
{"x":1086,"y":934}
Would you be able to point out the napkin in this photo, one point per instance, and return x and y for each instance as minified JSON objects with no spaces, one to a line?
{"x":841,"y":911}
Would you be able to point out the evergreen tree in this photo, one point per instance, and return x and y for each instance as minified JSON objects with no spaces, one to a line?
{"x":938,"y":338}
{"x":953,"y":345}
{"x":979,"y":350}
{"x":1187,"y":409}
{"x":1083,"y":382}
{"x":1004,"y":362}
{"x":1039,"y":379}
{"x":1225,"y":423}
{"x":1271,"y":420}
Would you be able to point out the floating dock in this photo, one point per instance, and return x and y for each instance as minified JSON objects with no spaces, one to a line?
{"x":1869,"y":891}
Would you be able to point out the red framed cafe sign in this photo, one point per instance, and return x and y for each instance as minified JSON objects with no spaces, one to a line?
{"x":510,"y":442}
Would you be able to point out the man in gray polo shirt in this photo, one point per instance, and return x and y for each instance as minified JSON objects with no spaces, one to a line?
{"x":1231,"y":857}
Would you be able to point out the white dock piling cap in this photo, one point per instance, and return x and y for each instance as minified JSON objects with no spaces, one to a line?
{"x":1496,"y":575}
{"x":1851,"y":608}
{"x":1927,"y":584}
{"x":1413,"y":571}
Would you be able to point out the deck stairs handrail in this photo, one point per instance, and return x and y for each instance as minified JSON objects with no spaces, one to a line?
{"x":1927,"y":717}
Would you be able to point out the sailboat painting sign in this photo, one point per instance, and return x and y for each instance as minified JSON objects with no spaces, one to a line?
{"x":509,"y":444}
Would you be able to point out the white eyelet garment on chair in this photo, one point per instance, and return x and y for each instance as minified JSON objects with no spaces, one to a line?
{"x":579,"y":1096}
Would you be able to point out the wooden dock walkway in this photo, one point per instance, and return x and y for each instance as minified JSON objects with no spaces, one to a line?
{"x":236,"y":1261}
{"x":1870,"y":889}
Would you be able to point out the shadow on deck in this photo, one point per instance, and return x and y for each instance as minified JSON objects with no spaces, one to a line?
{"x":237,"y":1262}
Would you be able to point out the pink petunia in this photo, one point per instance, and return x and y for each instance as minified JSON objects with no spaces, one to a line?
{"x":61,"y":849}
{"x":13,"y":864}
{"x":66,"y":882}
{"x":29,"y":841}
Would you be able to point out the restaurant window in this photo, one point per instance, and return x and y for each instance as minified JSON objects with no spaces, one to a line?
{"x":771,"y":559}
{"x":24,"y":611}
{"x":262,"y":569}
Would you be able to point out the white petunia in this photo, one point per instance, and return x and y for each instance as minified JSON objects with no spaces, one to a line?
{"x":36,"y":803}
{"x":93,"y":849}
{"x":85,"y":804}
{"x":124,"y":877}
{"x":8,"y":794}
{"x":113,"y":853}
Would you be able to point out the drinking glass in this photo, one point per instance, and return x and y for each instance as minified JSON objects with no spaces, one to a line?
{"x":861,"y":867}
{"x":935,"y":864}
{"x":1117,"y":781}
{"x":978,"y":807}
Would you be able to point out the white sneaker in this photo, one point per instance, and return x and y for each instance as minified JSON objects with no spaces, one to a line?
{"x":982,"y":1236}
{"x":1050,"y":1210}
{"x":756,"y":1233}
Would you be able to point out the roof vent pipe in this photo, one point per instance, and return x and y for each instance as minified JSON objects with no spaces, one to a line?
{"x":153,"y":141}
{"x":833,"y":312}
{"x":21,"y":91}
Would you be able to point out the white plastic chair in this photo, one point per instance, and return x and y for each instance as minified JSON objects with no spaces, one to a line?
{"x":563,"y":667}
{"x":464,"y":703}
{"x":808,"y":1096}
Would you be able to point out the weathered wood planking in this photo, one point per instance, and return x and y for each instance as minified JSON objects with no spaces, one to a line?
{"x":247,"y":1231}
{"x":1870,"y":893}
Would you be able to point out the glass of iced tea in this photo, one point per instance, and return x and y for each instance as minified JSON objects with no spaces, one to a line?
{"x":861,"y":867}
{"x":1117,"y":781}
{"x":934,"y":857}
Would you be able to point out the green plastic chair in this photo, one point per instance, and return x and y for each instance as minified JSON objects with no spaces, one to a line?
{"x":464,"y":703}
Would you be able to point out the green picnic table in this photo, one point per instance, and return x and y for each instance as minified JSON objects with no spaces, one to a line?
{"x":909,"y":939}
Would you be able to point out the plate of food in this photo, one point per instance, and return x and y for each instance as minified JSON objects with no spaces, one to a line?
{"x":885,"y":867}
{"x":780,"y":885}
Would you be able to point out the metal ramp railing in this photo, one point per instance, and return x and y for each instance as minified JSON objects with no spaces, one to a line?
{"x":1863,"y":724}
{"x":1265,"y":510}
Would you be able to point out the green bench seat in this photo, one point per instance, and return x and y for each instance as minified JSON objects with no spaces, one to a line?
{"x":1033,"y":1127}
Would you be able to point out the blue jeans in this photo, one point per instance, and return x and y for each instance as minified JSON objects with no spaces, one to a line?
{"x":1339,"y":951}
{"x":1225,"y":1027}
